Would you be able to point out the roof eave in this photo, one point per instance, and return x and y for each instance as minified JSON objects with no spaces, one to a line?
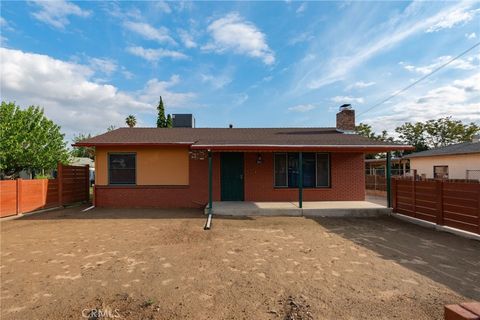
{"x":413,"y":155}
{"x":338,"y":148}
{"x":130,"y":144}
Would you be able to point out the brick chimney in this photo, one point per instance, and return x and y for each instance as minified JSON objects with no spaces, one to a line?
{"x":346,"y":118}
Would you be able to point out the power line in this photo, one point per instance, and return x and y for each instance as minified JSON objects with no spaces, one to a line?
{"x":419,"y":80}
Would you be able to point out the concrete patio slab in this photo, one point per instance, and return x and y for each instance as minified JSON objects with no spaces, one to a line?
{"x":241,"y":208}
{"x":310,"y":208}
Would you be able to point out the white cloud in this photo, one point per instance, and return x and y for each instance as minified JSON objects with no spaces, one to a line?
{"x":352,"y":52}
{"x":235,"y":34}
{"x":217,"y":81}
{"x":347,"y":99}
{"x":360,"y":85}
{"x":239,"y":99}
{"x":160,"y":35}
{"x":156,"y":88}
{"x":301,"y":8}
{"x":187,"y":39}
{"x":4,"y":25}
{"x":163,"y":6}
{"x":103,"y":65}
{"x":56,"y":13}
{"x":153,"y":55}
{"x":472,"y":35}
{"x":302,"y":108}
{"x":300,"y":37}
{"x":452,"y":18}
{"x":461,"y":64}
{"x":71,"y":98}
{"x":460,"y":100}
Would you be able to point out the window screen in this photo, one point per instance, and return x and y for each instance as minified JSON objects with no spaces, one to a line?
{"x":280,"y":169}
{"x":323,"y":170}
{"x":122,"y":168}
{"x":316,"y":170}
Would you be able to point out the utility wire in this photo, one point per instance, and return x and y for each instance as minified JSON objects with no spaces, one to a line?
{"x":419,"y":80}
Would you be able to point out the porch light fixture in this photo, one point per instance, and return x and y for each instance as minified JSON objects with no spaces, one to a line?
{"x":259,"y":159}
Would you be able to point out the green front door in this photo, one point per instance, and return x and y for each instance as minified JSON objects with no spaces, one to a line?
{"x":231,"y":167}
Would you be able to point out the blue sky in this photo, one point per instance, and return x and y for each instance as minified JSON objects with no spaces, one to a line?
{"x":90,"y":64}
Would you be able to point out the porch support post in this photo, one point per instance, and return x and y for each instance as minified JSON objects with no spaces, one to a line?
{"x":300,"y":180}
{"x":389,"y":176}
{"x":210,"y":180}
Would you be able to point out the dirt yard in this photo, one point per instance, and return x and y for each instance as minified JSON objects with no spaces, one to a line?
{"x":150,"y":264}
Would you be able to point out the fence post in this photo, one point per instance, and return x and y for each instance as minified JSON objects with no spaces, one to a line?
{"x":394,"y":194}
{"x":60,"y":184}
{"x":414,"y":204}
{"x":478,"y":207}
{"x":439,"y":197}
{"x":19,"y":195}
{"x":388,"y":181}
{"x":87,"y":183}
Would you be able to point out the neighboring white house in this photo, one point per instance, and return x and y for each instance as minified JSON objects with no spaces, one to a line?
{"x":458,"y":161}
{"x":78,"y":161}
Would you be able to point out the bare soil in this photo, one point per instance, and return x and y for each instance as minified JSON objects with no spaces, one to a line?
{"x":158,"y":264}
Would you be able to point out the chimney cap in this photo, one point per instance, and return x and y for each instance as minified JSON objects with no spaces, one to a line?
{"x":346,"y":106}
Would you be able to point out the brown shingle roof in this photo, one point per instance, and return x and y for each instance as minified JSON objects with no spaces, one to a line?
{"x":209,"y":137}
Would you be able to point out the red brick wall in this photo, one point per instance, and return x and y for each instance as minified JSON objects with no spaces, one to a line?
{"x":347,"y":180}
{"x":347,"y":183}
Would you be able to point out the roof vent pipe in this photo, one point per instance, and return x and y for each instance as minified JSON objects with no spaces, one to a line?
{"x":230,"y":126}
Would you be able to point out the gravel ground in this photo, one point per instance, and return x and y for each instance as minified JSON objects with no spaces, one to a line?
{"x":154,"y":264}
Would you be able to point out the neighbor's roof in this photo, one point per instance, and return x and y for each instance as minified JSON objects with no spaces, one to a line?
{"x":82,"y":161}
{"x":461,"y":148}
{"x":235,"y":138}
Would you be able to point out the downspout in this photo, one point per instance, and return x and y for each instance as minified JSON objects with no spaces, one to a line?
{"x":210,"y":196}
{"x":389,"y":176}
{"x":300,"y":180}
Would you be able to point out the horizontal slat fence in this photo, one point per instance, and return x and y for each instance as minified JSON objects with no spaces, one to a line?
{"x":375,"y":182}
{"x":449,"y":203}
{"x":21,"y":196}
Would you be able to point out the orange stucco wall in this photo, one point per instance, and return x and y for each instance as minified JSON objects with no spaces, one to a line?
{"x":155,"y":166}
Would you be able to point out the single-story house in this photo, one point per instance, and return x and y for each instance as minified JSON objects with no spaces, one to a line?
{"x":458,"y":161}
{"x":190,"y":167}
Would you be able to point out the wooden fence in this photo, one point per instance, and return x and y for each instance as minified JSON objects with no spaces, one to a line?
{"x":21,"y":196}
{"x":375,"y":182}
{"x":448,"y":203}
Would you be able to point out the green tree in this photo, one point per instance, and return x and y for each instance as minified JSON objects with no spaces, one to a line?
{"x":28,"y":141}
{"x":445,"y":131}
{"x":169,"y":121}
{"x":111,"y":128}
{"x":131,"y":121}
{"x":366,"y":130}
{"x":413,"y":134}
{"x":436,"y":133}
{"x":161,"y":119}
{"x":83,"y":152}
